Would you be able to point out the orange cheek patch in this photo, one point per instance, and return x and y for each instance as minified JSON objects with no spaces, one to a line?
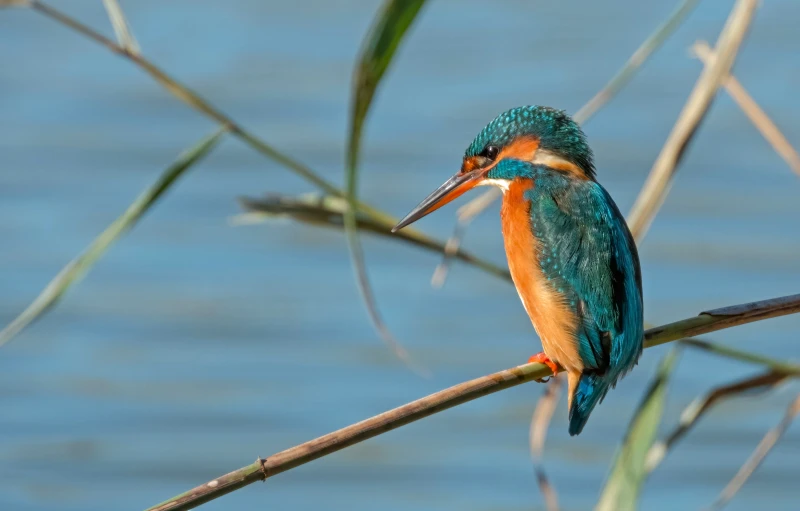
{"x":569,"y":167}
{"x":520,"y":149}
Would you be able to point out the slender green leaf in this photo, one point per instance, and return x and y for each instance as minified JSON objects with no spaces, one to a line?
{"x":376,"y":54}
{"x":628,"y":473}
{"x":79,"y":266}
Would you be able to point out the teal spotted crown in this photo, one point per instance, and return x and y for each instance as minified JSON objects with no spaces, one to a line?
{"x":555,"y":130}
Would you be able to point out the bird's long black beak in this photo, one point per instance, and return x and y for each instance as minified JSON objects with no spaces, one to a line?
{"x":453,"y":188}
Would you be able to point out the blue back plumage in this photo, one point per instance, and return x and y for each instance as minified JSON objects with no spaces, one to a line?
{"x":593,"y":259}
{"x":598,"y":267}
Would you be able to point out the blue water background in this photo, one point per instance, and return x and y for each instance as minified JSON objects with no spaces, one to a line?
{"x":195,"y":346}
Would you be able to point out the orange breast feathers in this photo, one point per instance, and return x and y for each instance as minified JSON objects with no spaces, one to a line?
{"x":553,"y":320}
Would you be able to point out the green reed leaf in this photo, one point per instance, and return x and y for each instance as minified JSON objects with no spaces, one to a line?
{"x":79,"y":266}
{"x":621,"y":492}
{"x":378,"y":49}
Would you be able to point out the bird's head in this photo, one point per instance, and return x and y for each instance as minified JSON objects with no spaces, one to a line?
{"x":508,"y":148}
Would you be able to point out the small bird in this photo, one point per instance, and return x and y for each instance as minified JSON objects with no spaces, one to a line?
{"x":571,"y":255}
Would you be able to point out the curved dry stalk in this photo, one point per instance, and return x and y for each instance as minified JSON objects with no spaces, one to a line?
{"x":697,"y":408}
{"x":757,"y":116}
{"x":368,"y":297}
{"x":762,"y":450}
{"x":476,"y":206}
{"x":694,"y":111}
{"x":378,"y":48}
{"x":540,"y":423}
{"x":262,"y":469}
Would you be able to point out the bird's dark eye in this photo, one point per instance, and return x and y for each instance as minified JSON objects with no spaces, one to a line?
{"x":490,"y":151}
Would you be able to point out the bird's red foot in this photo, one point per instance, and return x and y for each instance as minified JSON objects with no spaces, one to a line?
{"x":541,"y":358}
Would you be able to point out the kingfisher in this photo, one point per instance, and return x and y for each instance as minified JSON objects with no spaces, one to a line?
{"x":571,"y":255}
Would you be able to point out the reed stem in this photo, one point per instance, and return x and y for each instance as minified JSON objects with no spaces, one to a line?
{"x":262,"y":469}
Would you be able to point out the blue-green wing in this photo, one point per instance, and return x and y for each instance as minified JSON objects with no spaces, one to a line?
{"x":588,"y":254}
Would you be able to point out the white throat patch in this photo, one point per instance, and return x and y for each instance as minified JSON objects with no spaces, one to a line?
{"x":503,"y":184}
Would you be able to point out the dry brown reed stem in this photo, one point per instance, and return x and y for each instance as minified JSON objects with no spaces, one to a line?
{"x":757,"y":116}
{"x":262,"y":469}
{"x":697,"y":408}
{"x":540,"y":423}
{"x":658,"y":182}
{"x":762,"y":450}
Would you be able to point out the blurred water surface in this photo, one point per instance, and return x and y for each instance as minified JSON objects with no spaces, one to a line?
{"x":193,"y":347}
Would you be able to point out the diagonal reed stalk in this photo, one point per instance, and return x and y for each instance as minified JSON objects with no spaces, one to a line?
{"x":653,"y":42}
{"x":757,"y":116}
{"x":692,"y":414}
{"x":129,"y":50}
{"x":188,"y":96}
{"x":194,"y":100}
{"x":657,"y":185}
{"x":262,"y":469}
{"x":762,"y":450}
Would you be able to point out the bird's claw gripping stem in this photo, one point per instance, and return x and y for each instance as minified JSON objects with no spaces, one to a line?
{"x":541,"y":358}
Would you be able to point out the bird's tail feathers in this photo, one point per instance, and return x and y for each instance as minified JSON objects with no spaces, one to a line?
{"x":585,"y":393}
